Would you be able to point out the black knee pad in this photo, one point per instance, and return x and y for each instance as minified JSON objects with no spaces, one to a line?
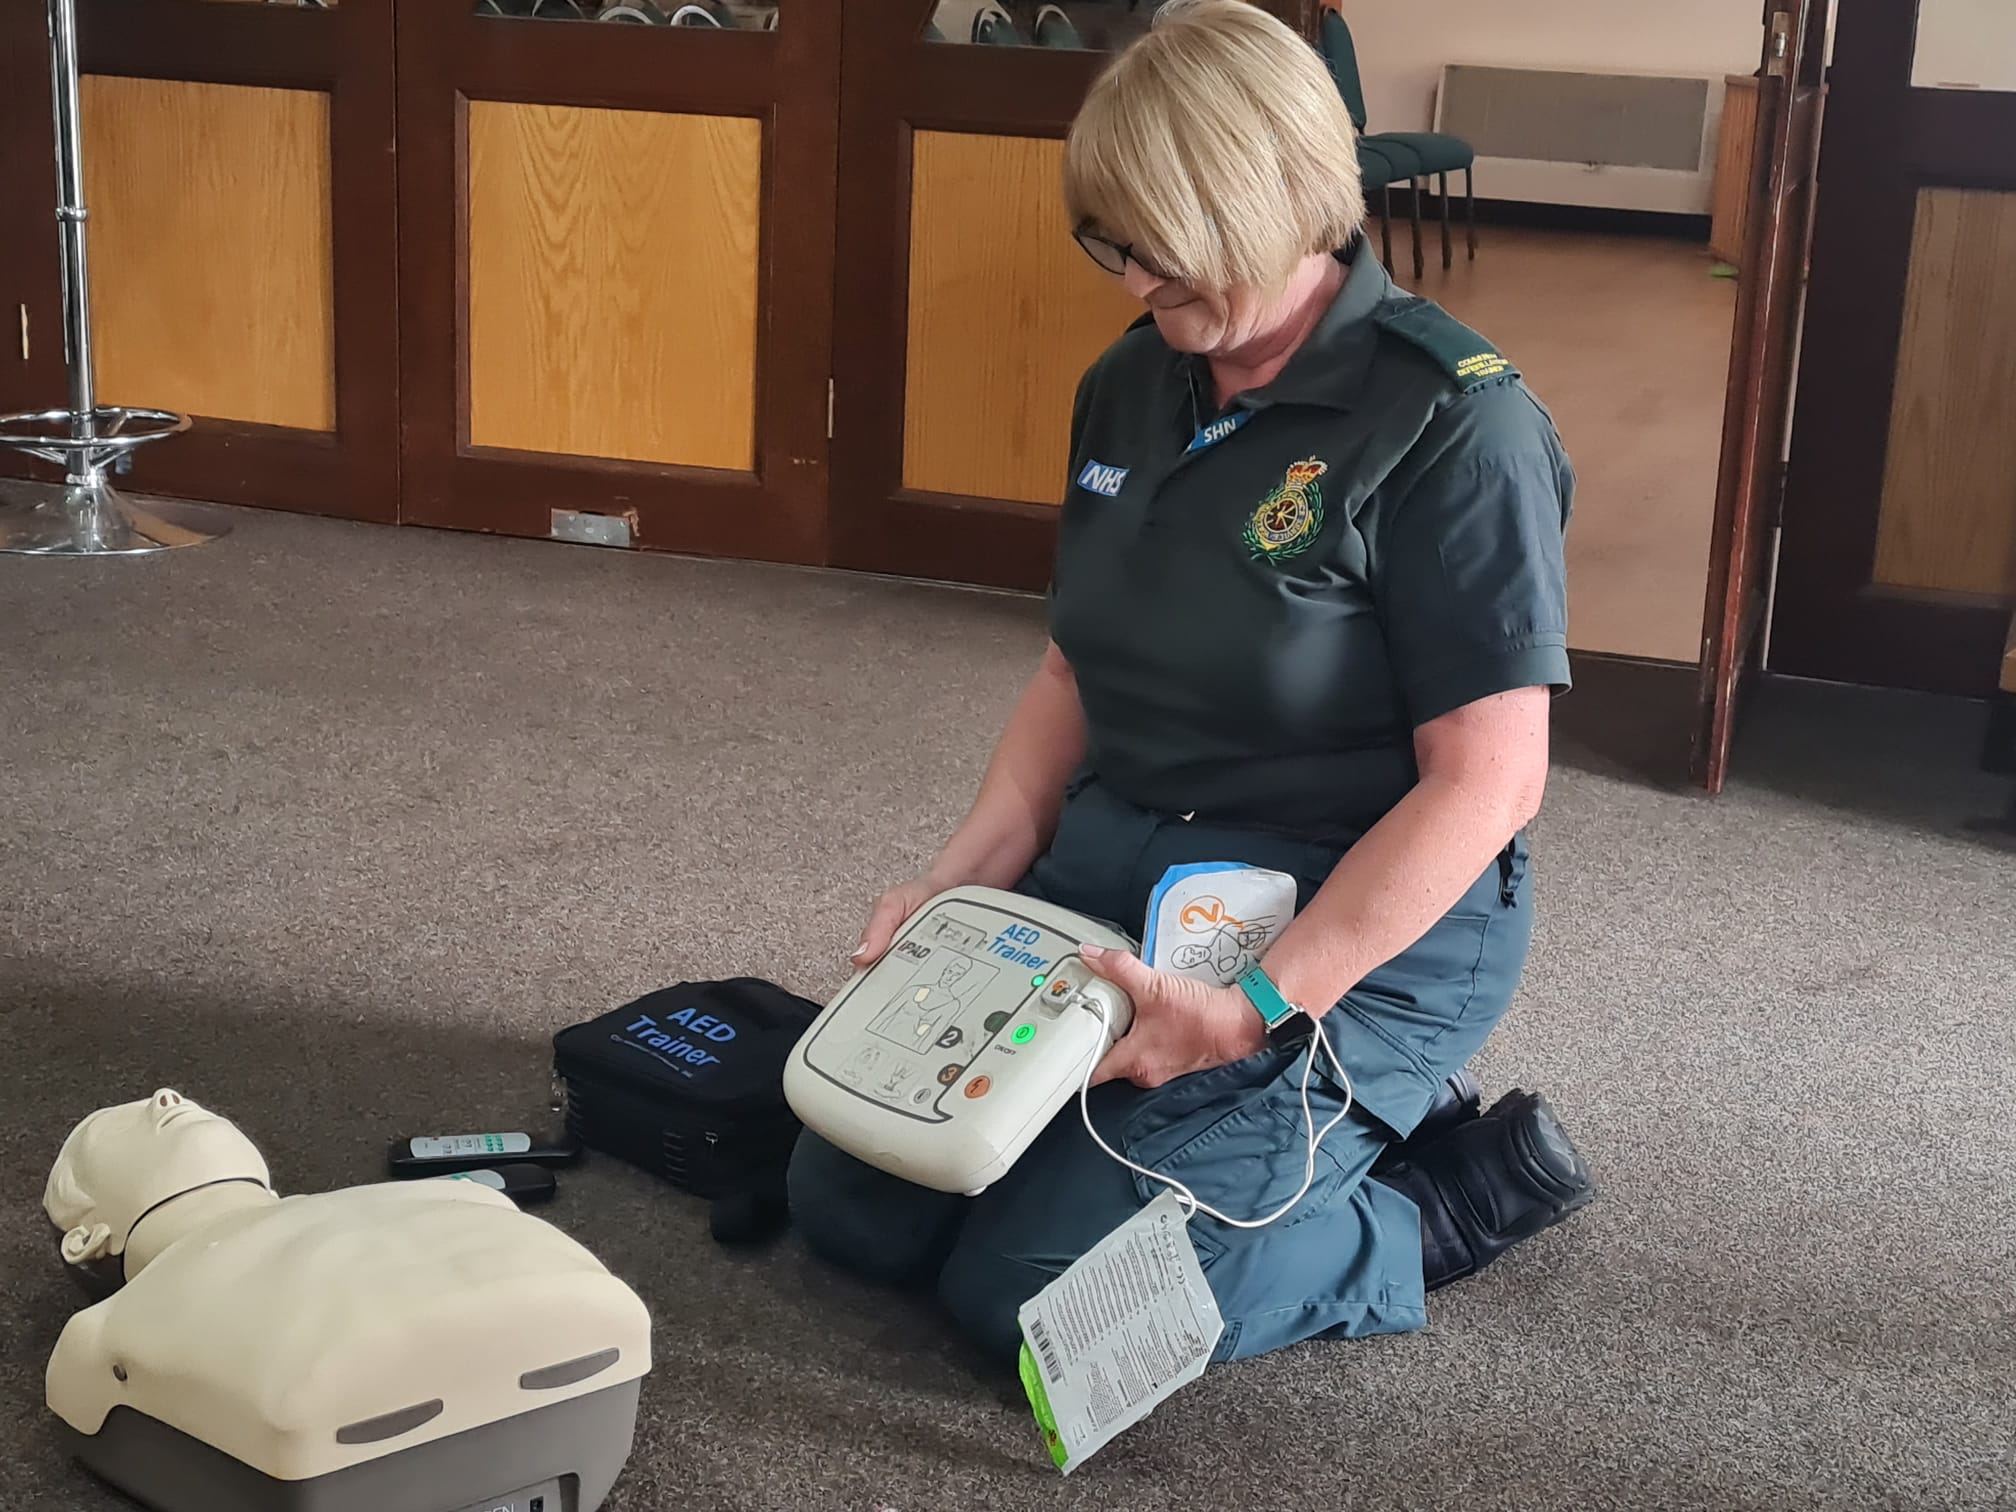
{"x":1489,"y":1183}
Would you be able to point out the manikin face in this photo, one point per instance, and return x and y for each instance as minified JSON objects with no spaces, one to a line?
{"x":122,"y":1162}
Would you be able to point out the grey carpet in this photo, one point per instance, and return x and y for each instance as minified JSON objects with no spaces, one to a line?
{"x":331,"y":827}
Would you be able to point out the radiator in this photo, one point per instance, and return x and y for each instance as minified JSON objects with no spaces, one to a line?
{"x":1550,"y":136}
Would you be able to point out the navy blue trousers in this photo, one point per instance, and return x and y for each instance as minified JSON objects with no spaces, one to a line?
{"x":1346,"y":1261}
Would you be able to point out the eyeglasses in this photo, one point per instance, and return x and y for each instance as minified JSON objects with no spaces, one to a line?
{"x":1111,"y":255}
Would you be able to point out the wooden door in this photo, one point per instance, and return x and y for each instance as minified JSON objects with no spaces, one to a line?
{"x":617,"y":269}
{"x":1757,"y":409}
{"x":966,"y":312}
{"x":242,"y":241}
{"x":31,"y":369}
{"x":1898,"y":553}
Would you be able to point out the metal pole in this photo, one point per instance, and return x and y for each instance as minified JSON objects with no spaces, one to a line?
{"x":85,"y":516}
{"x":71,"y":215}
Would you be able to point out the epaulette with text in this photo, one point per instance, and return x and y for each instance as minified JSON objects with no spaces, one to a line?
{"x":1470,"y":360}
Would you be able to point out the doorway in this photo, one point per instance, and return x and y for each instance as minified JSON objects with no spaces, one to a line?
{"x":1898,"y":559}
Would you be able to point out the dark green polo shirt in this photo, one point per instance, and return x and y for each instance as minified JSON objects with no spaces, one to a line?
{"x":1261,"y":605}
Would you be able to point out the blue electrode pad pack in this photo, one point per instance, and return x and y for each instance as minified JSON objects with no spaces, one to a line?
{"x":1214,"y":920}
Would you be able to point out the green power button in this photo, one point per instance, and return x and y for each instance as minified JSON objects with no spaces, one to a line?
{"x":1024,"y":1034}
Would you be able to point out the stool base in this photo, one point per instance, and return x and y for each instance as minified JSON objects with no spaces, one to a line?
{"x":95,"y":519}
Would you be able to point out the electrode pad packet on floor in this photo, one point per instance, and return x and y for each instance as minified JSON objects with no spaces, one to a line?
{"x":944,"y":1059}
{"x":1214,"y":921}
{"x":1118,"y":1333}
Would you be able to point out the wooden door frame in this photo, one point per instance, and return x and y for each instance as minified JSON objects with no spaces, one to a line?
{"x":28,"y":265}
{"x":344,"y":52}
{"x":777,"y":512}
{"x":1757,"y":407}
{"x":896,"y":83}
{"x":1885,"y":141}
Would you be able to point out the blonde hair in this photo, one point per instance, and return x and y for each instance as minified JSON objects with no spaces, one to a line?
{"x":1219,"y":147}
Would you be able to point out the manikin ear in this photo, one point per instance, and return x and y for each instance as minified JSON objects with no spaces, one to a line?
{"x":88,"y":1261}
{"x":87,"y":1243}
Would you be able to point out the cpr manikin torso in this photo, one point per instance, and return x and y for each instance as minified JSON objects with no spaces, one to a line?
{"x":307,"y":1336}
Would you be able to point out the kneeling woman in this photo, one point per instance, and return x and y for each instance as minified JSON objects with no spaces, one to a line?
{"x":1308,"y":613}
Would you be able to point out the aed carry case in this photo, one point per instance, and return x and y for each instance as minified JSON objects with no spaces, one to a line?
{"x":688,"y":1084}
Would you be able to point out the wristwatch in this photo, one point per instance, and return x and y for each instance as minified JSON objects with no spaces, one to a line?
{"x":1276,"y":1012}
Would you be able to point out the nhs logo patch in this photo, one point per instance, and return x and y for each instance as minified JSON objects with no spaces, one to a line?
{"x":1101,"y":479}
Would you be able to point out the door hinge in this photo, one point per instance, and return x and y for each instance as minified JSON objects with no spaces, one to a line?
{"x":829,"y":409}
{"x":24,"y":332}
{"x":1781,"y":44}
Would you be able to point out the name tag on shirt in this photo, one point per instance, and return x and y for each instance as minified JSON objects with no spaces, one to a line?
{"x":1218,"y":430}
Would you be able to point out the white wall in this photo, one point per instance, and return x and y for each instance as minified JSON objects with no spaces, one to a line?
{"x":1402,"y":44}
{"x":1965,"y":43}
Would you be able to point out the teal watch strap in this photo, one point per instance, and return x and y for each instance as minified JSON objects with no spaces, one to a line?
{"x":1274,"y":1009}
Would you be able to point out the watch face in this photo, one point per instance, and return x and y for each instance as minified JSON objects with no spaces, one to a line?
{"x":1290,"y":1031}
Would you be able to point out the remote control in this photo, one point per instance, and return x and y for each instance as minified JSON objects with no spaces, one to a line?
{"x":445,"y":1154}
{"x":523,"y":1184}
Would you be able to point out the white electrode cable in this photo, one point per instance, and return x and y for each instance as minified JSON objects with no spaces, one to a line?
{"x":1192,"y":1204}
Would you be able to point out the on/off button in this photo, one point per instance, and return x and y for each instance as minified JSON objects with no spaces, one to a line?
{"x":979,"y":1086}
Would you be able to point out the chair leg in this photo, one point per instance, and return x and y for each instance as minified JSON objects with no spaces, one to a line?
{"x":1470,"y":210}
{"x":1386,"y":225}
{"x":1442,"y":193}
{"x":1414,"y":207}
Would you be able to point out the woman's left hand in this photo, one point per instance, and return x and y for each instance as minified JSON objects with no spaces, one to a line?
{"x":1180,"y":1025}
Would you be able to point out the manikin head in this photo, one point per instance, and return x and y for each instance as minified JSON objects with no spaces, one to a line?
{"x":122,"y":1163}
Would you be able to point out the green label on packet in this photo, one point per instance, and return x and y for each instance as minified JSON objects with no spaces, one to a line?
{"x":1039,"y":1401}
{"x":1129,"y":1323}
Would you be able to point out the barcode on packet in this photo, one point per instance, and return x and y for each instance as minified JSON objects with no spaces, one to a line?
{"x":1040,"y":1337}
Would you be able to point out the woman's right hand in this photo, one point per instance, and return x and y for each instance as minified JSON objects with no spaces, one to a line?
{"x":891,"y":909}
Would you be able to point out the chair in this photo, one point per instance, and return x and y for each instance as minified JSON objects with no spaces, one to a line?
{"x":1380,"y":169}
{"x":1440,"y":154}
{"x":1421,"y":152}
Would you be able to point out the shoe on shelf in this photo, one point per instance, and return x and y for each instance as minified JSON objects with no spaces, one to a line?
{"x":1054,"y":29}
{"x":994,"y":27}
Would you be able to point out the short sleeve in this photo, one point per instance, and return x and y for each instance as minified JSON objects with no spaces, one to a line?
{"x":1470,"y":575}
